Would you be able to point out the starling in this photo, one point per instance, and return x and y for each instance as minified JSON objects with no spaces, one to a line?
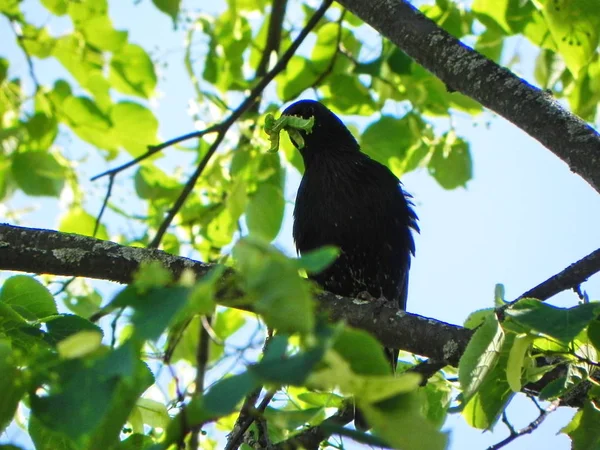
{"x":353,"y":202}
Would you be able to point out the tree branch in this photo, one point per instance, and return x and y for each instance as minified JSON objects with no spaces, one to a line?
{"x":45,"y":251}
{"x":464,"y":70}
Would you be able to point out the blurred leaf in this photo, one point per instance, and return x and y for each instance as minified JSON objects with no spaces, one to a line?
{"x":400,"y":423}
{"x":28,"y":297}
{"x":89,"y":123}
{"x":38,"y":173}
{"x":135,"y":127}
{"x":451,"y":163}
{"x":151,"y":183}
{"x":317,"y":260}
{"x":593,"y":333}
{"x":362,"y":351}
{"x":99,"y":32}
{"x":42,"y":131}
{"x":169,"y":7}
{"x":153,"y":413}
{"x":272,"y":281}
{"x":63,"y":326}
{"x":292,"y":370}
{"x":36,"y":41}
{"x":79,"y":221}
{"x":264,"y":213}
{"x":12,"y":385}
{"x":79,"y":344}
{"x":493,"y":14}
{"x":490,"y":43}
{"x":56,"y":7}
{"x":132,"y":71}
{"x":574,"y":26}
{"x":390,"y":138}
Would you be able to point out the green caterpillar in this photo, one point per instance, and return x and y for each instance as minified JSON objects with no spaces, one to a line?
{"x":291,"y":124}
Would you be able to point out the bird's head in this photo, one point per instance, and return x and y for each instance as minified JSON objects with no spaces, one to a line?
{"x":328,"y":134}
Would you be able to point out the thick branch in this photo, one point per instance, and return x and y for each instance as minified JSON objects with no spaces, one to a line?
{"x":496,"y":88}
{"x":45,"y":251}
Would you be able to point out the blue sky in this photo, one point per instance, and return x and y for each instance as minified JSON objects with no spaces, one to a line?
{"x":522,"y":218}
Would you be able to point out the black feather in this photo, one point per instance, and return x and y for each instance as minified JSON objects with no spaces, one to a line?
{"x":349,"y":200}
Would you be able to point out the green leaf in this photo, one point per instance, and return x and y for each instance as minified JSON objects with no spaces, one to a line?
{"x":325,"y":47}
{"x":224,"y":396}
{"x":264,"y":213}
{"x":480,"y":356}
{"x":476,"y":318}
{"x":132,"y":71}
{"x":46,"y":438}
{"x":10,"y":7}
{"x":135,"y":127}
{"x":63,"y":326}
{"x":362,"y":351}
{"x":155,"y":310}
{"x":153,"y":413}
{"x":79,"y":344}
{"x":516,"y":361}
{"x":37,"y":41}
{"x":593,"y":333}
{"x":79,"y":221}
{"x":56,"y":7}
{"x":451,"y":163}
{"x":390,"y":138}
{"x":151,"y":183}
{"x":293,"y":370}
{"x":399,"y":422}
{"x":484,"y":407}
{"x":12,"y":385}
{"x":563,"y":324}
{"x":169,"y":7}
{"x":574,"y":26}
{"x":584,"y":428}
{"x":42,"y":131}
{"x":549,"y":67}
{"x":271,"y":280}
{"x":346,"y":94}
{"x":490,"y":43}
{"x":99,"y":32}
{"x":560,"y":386}
{"x":28,"y":297}
{"x":318,"y":260}
{"x":493,"y":14}
{"x":88,"y":122}
{"x":83,"y":62}
{"x":38,"y":173}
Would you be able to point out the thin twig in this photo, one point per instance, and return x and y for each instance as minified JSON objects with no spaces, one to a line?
{"x":152,"y":149}
{"x":233,"y":117}
{"x":202,"y":354}
{"x":111,"y":181}
{"x":311,"y":437}
{"x":514,"y":434}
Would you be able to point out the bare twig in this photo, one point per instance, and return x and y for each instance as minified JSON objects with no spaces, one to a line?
{"x":514,"y":434}
{"x":111,"y":181}
{"x":152,"y":149}
{"x":572,"y":276}
{"x":202,"y":354}
{"x":311,"y":437}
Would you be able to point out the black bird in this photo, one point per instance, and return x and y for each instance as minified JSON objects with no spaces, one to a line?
{"x":349,"y":200}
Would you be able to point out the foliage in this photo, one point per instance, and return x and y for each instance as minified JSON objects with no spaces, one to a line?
{"x":109,"y":377}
